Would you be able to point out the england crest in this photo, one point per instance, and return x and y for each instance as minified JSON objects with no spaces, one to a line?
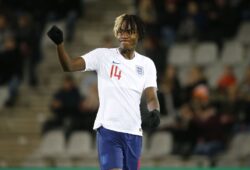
{"x":140,"y":70}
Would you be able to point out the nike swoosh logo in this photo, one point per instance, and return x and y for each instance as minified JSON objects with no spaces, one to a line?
{"x":115,"y":62}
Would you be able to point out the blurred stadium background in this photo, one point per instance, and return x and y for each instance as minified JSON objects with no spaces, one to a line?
{"x":201,"y":49}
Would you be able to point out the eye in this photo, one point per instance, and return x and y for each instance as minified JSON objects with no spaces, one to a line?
{"x":129,"y":31}
{"x":121,"y":30}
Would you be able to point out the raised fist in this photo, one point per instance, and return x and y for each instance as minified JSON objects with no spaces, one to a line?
{"x":55,"y":34}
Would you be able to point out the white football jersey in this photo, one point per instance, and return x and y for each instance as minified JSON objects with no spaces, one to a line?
{"x":120,"y":86}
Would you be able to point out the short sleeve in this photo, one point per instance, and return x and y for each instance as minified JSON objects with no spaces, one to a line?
{"x":151,"y":77}
{"x":92,"y":60}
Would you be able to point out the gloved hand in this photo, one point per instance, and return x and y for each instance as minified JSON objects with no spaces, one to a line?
{"x":151,"y":119}
{"x":55,"y":34}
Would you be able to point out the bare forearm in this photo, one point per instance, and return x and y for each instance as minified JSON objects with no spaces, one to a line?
{"x":153,"y":104}
{"x":64,"y":58}
{"x":152,"y":99}
{"x":68,"y":63}
{"x":152,"y":118}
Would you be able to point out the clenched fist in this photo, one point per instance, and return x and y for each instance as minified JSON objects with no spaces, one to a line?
{"x":55,"y":34}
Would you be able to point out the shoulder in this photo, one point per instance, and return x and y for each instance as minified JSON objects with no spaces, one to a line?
{"x":105,"y":50}
{"x":144,"y":59}
{"x":99,"y":52}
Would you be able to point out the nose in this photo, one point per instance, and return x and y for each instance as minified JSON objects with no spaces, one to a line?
{"x":124,"y":34}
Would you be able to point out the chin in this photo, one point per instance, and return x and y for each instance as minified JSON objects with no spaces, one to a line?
{"x":125,"y":47}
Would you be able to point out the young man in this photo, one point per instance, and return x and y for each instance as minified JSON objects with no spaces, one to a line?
{"x":123,"y":75}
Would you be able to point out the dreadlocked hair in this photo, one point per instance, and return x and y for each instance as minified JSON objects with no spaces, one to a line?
{"x":133,"y":23}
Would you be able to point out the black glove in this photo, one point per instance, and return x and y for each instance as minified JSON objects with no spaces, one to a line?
{"x":151,"y":119}
{"x":56,"y":35}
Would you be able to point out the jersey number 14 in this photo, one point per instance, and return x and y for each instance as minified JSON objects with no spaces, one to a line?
{"x":115,"y":72}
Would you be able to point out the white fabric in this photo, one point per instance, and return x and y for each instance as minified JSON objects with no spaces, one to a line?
{"x":120,"y":90}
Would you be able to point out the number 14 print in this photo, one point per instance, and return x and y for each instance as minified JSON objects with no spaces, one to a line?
{"x":115,"y":72}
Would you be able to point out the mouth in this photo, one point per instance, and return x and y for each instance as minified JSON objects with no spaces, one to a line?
{"x":124,"y":40}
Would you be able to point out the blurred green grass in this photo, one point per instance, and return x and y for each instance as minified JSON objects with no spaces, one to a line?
{"x":144,"y":168}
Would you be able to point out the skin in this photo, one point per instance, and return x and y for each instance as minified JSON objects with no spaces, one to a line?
{"x":128,"y":42}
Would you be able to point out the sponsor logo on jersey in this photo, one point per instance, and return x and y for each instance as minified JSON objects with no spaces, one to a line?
{"x":114,"y":62}
{"x":140,"y":70}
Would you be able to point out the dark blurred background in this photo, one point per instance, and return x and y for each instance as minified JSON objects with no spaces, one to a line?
{"x":201,"y":49}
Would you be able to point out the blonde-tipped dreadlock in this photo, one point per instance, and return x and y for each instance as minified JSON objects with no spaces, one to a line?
{"x":133,"y":23}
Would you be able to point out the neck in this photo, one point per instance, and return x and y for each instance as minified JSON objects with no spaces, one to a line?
{"x":127,"y":53}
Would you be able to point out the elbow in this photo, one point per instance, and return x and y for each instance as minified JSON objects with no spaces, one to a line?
{"x":67,"y":69}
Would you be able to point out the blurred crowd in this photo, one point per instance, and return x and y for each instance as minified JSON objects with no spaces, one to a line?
{"x":21,"y":28}
{"x":201,"y":118}
{"x":73,"y":107}
{"x":172,"y":21}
